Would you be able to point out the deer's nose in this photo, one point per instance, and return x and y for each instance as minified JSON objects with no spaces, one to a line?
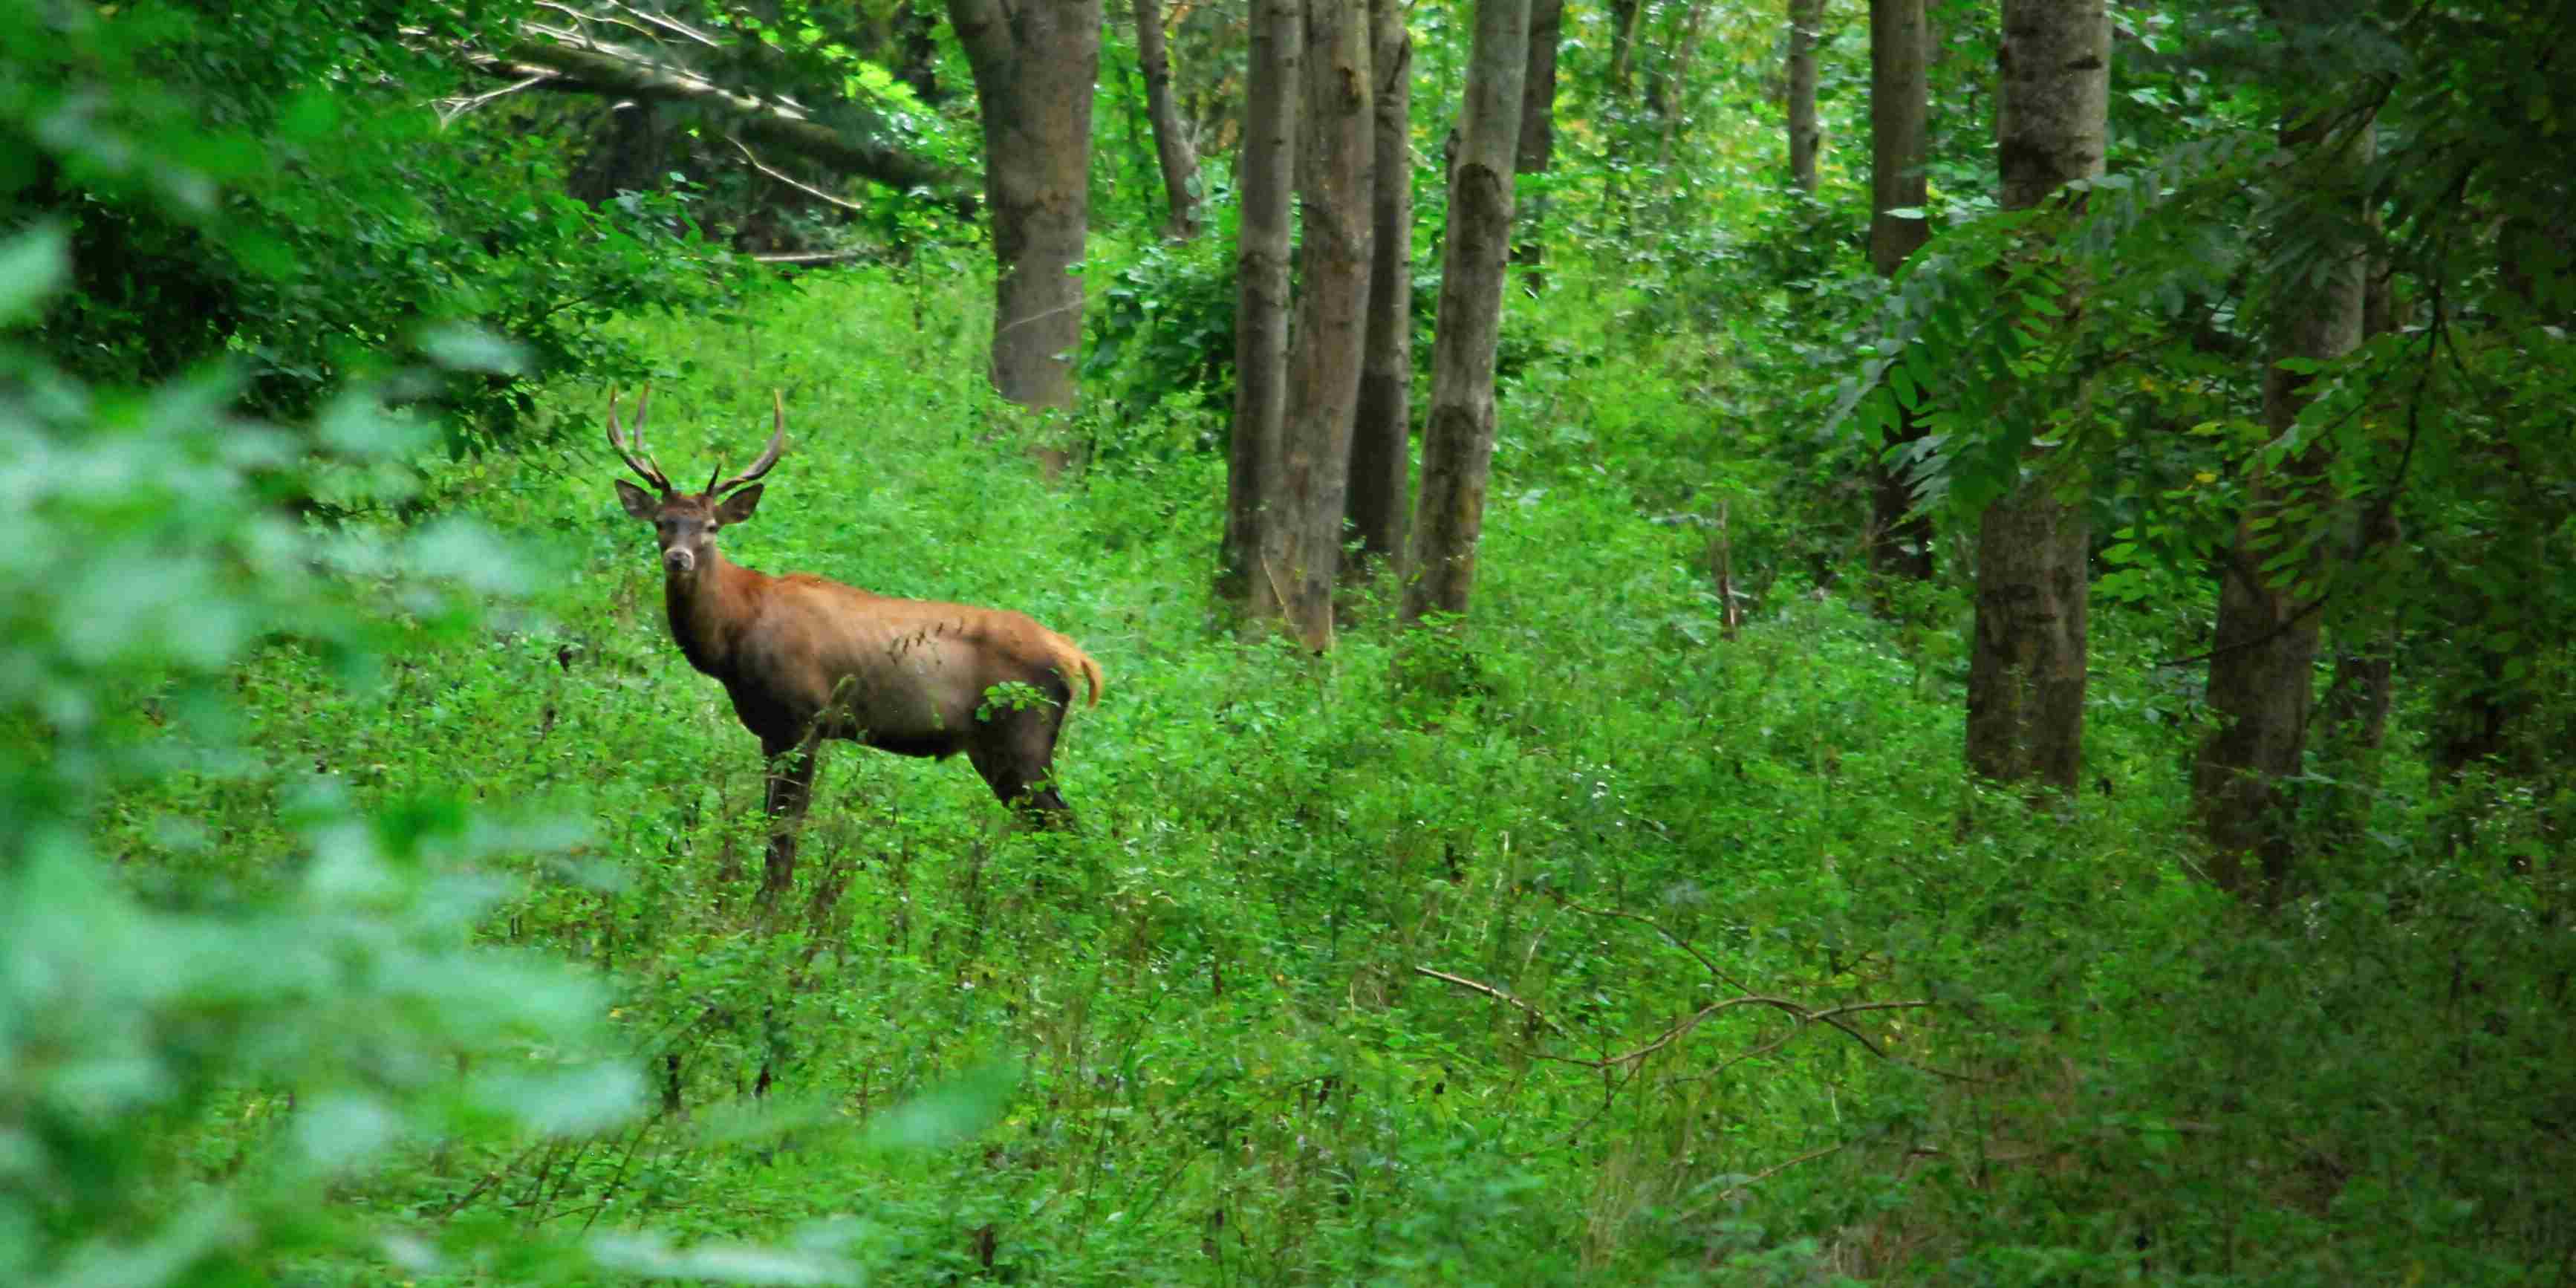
{"x":678,"y":559}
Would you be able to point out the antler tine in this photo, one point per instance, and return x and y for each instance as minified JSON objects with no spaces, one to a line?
{"x":768,"y":455}
{"x":648,"y":469}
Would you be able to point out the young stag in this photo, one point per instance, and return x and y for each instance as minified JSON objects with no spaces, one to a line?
{"x":806,"y":659}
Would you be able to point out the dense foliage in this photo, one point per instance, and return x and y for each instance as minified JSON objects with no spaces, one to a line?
{"x":376,"y":901}
{"x":250,"y":184}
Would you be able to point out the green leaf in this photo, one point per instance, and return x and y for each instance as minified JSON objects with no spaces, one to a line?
{"x":956,"y":1112}
{"x":32,"y":267}
{"x":471,"y":348}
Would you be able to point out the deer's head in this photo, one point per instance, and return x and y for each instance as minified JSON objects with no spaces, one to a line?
{"x":684,"y":523}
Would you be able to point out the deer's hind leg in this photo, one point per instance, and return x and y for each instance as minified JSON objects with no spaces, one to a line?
{"x":1015,"y":753}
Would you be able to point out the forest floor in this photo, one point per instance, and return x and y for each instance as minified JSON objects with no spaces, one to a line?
{"x":1577,"y":944}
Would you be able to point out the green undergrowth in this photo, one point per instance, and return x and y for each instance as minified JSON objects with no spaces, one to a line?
{"x":1475,"y":956}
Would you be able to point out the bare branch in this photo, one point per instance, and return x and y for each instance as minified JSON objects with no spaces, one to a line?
{"x":1494,"y":993}
{"x":670,"y":24}
{"x":1676,"y":940}
{"x":792,"y":182}
{"x":448,"y":115}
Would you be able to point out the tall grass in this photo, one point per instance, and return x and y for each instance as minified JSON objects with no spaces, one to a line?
{"x":1204,"y":1037}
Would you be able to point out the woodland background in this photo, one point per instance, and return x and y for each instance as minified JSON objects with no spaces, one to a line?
{"x":2008,"y":722}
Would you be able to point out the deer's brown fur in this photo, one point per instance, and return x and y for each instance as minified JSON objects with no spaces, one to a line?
{"x":804,"y":658}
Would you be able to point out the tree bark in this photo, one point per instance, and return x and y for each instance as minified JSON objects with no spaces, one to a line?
{"x":1266,"y":181}
{"x":615,"y":70}
{"x":1899,"y":111}
{"x":1805,"y":17}
{"x":1458,"y":443}
{"x":1302,"y":537}
{"x":1171,"y":142}
{"x":1380,"y":461}
{"x":1538,"y":129}
{"x":2027,"y":648}
{"x":1624,"y":18}
{"x":1034,"y":65}
{"x":2262,"y":666}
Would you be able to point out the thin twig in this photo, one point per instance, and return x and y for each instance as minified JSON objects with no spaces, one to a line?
{"x":1658,"y":927}
{"x":489,"y":1179}
{"x":798,"y":184}
{"x":1758,"y":1177}
{"x":1494,"y":993}
{"x":448,"y":117}
{"x":671,"y":24}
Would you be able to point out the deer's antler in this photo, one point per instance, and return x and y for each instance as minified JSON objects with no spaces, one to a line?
{"x":768,"y":455}
{"x":647,"y":468}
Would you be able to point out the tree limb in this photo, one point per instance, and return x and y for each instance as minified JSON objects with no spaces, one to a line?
{"x":603,"y":68}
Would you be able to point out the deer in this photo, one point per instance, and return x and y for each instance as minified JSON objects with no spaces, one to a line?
{"x":805,"y":658}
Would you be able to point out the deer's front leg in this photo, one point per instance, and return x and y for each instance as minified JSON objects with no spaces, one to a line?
{"x":791,"y":789}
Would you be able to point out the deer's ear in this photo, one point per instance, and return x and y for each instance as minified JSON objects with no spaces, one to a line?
{"x":739,"y":506}
{"x":638,"y":501}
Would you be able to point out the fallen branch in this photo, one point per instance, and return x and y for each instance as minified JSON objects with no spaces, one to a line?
{"x":572,"y":59}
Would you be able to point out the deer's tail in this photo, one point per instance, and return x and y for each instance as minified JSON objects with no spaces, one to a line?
{"x":1071,"y":662}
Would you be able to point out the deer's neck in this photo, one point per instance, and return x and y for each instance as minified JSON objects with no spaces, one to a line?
{"x":709,"y":612}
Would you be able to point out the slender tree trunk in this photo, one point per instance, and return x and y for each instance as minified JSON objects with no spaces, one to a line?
{"x":2261,"y":669}
{"x":1171,"y":142}
{"x":1302,"y":531}
{"x":1267,"y":180}
{"x":2027,"y":648}
{"x":1625,"y":15}
{"x":1458,"y":444}
{"x":1034,"y":65}
{"x":1538,"y":130}
{"x":1666,"y":94}
{"x":2363,"y":690}
{"x":1805,"y":18}
{"x":2359,"y":698}
{"x":916,"y":31}
{"x":1899,"y":108}
{"x":1380,"y":462}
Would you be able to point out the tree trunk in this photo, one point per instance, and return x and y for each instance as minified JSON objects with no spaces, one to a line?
{"x":1538,"y":129}
{"x":1302,"y":536}
{"x":1899,"y":108}
{"x":2363,"y":690}
{"x":1171,"y":142}
{"x":1380,"y":462}
{"x":1805,"y":17}
{"x":916,"y":28}
{"x":1666,"y":93}
{"x":1458,"y":443}
{"x":1034,"y":65}
{"x":1266,"y":179}
{"x":2027,"y":648}
{"x":2261,"y":670}
{"x":2358,"y":699}
{"x":1625,"y":15}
